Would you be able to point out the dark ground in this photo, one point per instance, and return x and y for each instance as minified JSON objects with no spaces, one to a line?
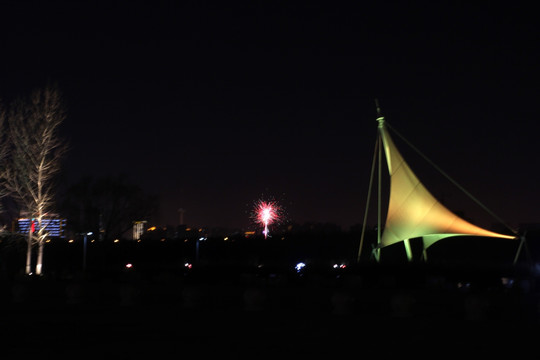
{"x":365,"y":312}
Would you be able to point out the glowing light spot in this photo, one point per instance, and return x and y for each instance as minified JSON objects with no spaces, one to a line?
{"x":266,"y":213}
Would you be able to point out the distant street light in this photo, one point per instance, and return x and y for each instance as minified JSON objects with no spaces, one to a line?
{"x":84,"y":248}
{"x":197,"y":248}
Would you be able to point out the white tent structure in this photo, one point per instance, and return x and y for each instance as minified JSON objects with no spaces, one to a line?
{"x":413,"y":212}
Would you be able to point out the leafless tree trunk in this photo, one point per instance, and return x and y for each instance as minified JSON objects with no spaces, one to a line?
{"x":4,"y":149}
{"x":35,"y":153}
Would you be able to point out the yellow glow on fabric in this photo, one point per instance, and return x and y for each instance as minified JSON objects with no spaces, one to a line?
{"x":413,"y":212}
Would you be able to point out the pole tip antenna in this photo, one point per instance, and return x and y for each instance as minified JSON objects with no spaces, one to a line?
{"x":378,"y":107}
{"x":380,"y":118}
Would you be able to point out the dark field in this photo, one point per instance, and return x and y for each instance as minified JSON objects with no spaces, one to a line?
{"x":206,"y":311}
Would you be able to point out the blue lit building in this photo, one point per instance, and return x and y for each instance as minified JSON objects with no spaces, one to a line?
{"x":54,"y":226}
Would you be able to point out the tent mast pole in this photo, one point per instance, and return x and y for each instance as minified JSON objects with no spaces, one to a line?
{"x":364,"y":224}
{"x":380,"y":120}
{"x":378,"y":249}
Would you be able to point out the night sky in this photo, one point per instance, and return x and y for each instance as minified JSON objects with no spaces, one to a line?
{"x":214,"y":105}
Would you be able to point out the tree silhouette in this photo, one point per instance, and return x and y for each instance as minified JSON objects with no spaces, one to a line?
{"x":106,"y":206}
{"x":34,"y":152}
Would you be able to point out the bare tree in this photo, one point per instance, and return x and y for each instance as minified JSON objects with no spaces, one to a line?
{"x":3,"y":153}
{"x":107,"y":205}
{"x":34,"y":159}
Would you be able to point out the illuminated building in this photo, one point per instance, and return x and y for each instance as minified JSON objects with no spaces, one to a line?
{"x":53,"y":225}
{"x":138,"y":229}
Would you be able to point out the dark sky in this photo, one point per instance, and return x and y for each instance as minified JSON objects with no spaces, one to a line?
{"x":214,"y":105}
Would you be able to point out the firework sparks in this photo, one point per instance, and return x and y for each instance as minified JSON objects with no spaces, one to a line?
{"x":266,"y":213}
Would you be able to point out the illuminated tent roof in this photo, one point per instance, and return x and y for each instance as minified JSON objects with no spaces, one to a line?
{"x":412,"y":211}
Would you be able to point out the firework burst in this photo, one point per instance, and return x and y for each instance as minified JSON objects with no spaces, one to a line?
{"x":266,"y":213}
